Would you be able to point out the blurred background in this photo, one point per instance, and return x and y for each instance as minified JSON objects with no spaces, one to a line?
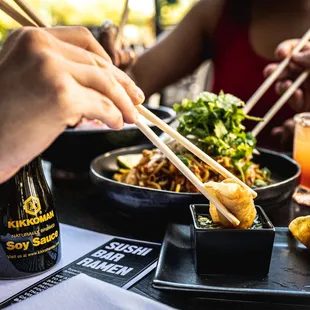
{"x":147,"y":21}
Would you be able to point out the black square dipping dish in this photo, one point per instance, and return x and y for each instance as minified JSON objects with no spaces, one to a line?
{"x":231,"y":251}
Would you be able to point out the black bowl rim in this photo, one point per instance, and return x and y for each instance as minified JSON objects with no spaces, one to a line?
{"x":170,"y":117}
{"x":192,"y":208}
{"x":99,"y":176}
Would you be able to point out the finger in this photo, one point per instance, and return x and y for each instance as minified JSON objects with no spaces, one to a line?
{"x":288,"y":131}
{"x":127,"y":57}
{"x":122,"y":58}
{"x":282,"y":86}
{"x":291,"y":71}
{"x":284,"y":134}
{"x":279,"y":136}
{"x":269,"y":69}
{"x":289,"y":124}
{"x":296,"y":101}
{"x":285,"y":48}
{"x":79,"y":36}
{"x":81,"y":102}
{"x":277,"y":131}
{"x":80,"y":56}
{"x":134,"y":92}
{"x":302,"y":59}
{"x":104,"y":82}
{"x":96,"y":106}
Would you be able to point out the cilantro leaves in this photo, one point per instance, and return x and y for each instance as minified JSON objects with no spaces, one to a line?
{"x":215,"y":123}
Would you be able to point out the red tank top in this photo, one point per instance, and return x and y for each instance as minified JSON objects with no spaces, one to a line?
{"x":238,"y":70}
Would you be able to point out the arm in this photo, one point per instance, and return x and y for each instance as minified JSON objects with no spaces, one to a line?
{"x":180,"y":52}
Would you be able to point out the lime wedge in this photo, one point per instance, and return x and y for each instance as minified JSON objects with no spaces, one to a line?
{"x":128,"y":161}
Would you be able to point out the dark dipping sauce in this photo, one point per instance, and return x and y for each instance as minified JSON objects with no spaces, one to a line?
{"x":205,"y":221}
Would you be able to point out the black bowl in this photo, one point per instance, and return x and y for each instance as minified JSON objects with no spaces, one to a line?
{"x":285,"y":172}
{"x":229,"y":251}
{"x":74,"y":150}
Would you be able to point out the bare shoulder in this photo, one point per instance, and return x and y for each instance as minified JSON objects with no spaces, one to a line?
{"x":206,"y":13}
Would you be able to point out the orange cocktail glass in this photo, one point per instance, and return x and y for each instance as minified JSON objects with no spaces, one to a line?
{"x":302,"y":147}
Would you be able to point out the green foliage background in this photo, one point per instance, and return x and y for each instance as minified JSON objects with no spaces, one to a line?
{"x":62,"y":12}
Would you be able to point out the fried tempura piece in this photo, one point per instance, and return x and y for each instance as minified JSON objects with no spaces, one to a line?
{"x":237,"y":199}
{"x":300,"y":228}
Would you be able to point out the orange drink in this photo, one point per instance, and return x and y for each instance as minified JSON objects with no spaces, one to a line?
{"x":302,"y":147}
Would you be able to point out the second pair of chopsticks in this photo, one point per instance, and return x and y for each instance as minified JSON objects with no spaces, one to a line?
{"x":209,"y":194}
{"x":270,"y":80}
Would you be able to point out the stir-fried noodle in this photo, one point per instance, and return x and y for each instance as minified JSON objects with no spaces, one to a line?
{"x":156,"y":171}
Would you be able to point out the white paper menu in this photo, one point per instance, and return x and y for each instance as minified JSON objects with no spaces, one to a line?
{"x":115,"y":260}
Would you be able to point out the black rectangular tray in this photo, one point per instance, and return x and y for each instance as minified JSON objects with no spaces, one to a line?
{"x":288,"y":280}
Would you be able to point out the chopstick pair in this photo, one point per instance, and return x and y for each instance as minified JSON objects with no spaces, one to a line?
{"x":209,"y":194}
{"x":16,"y":15}
{"x":270,"y":80}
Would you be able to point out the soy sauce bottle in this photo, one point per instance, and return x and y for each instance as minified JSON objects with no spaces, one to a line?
{"x":29,"y":229}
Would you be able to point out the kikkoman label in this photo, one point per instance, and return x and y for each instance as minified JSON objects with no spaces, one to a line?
{"x":29,"y":229}
{"x":36,"y":234}
{"x":32,"y":205}
{"x":32,"y":221}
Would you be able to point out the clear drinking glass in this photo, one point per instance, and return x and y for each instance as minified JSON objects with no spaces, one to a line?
{"x":301,"y":152}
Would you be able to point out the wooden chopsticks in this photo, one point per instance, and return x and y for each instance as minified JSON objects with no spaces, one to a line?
{"x":30,"y":12}
{"x":14,"y":14}
{"x":209,"y":194}
{"x":119,"y":36}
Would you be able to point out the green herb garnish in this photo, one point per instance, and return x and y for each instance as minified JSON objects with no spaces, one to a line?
{"x":215,"y":124}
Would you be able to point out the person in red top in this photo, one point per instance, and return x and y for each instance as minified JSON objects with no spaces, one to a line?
{"x":240,"y":37}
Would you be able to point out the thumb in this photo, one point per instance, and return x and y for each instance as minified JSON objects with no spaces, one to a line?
{"x":302,"y":59}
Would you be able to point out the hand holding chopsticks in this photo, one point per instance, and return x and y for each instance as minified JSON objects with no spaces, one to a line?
{"x":167,"y":152}
{"x":278,"y":105}
{"x":53,"y":88}
{"x":270,"y":80}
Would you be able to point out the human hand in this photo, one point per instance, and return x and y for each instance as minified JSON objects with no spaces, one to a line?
{"x":122,"y":57}
{"x":284,"y":135}
{"x":50,"y":79}
{"x":300,"y":100}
